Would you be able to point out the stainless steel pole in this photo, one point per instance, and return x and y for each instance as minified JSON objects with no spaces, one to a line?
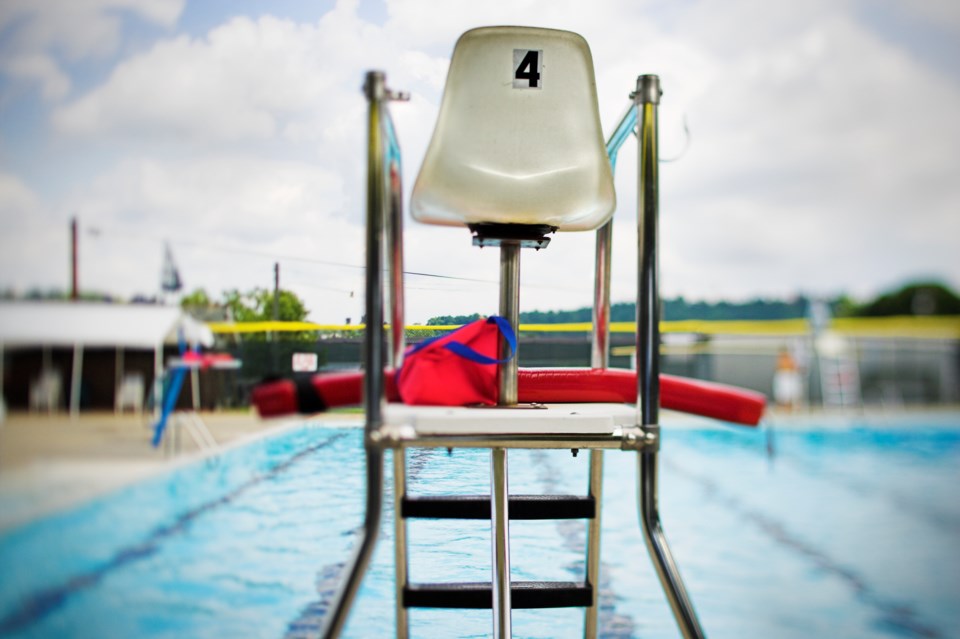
{"x":500,"y":546}
{"x":400,"y":543}
{"x":376,"y":93}
{"x":394,"y":243}
{"x":509,"y":309}
{"x":599,"y":358}
{"x":595,"y":490}
{"x":499,"y":488}
{"x":647,"y":98}
{"x":600,"y":343}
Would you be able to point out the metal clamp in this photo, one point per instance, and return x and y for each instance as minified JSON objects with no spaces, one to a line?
{"x":648,"y":90}
{"x":641,"y":438}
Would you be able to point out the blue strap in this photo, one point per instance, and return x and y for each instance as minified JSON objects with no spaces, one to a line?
{"x":468,"y":353}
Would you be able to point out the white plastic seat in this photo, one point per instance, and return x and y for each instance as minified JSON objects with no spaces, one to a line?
{"x":45,"y":391}
{"x":518,"y":138}
{"x":130,"y":392}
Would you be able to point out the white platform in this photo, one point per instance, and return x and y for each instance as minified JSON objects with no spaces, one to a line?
{"x":552,"y":426}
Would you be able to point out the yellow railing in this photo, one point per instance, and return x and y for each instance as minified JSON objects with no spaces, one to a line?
{"x":941,"y":327}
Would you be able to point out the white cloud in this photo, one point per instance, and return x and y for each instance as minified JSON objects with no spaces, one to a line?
{"x":942,"y":13}
{"x":822,"y":154}
{"x":33,"y":242}
{"x":829,"y":155}
{"x":228,"y":218}
{"x":17,"y":201}
{"x":246,"y":80}
{"x":42,"y":70}
{"x":236,"y":194}
{"x":75,"y":30}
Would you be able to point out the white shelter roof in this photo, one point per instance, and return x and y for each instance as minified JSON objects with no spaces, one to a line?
{"x":97,"y":324}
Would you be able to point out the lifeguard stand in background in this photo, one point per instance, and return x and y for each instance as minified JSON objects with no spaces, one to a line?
{"x":517,"y":154}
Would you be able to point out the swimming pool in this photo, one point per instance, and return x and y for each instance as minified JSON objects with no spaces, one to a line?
{"x":850,"y":529}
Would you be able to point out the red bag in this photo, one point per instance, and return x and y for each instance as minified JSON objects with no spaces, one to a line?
{"x":456,"y":369}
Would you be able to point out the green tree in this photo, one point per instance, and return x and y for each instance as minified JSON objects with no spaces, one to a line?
{"x":919,"y":298}
{"x":844,"y":306}
{"x":452,"y":320}
{"x":197,"y":299}
{"x":256,"y":305}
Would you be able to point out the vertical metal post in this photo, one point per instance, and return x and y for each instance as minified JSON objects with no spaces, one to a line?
{"x":600,"y":343}
{"x":510,"y":309}
{"x":595,"y":490}
{"x":599,"y":358}
{"x":600,"y":351}
{"x":373,"y":357}
{"x":276,"y":291}
{"x":75,"y":380}
{"x":74,"y":258}
{"x":500,"y":544}
{"x":647,"y":98}
{"x":395,"y":254}
{"x":499,"y":488}
{"x":195,"y":388}
{"x":400,"y":541}
{"x":274,"y":354}
{"x":117,"y":378}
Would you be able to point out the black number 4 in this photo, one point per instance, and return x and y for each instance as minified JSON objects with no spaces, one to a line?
{"x":529,"y":69}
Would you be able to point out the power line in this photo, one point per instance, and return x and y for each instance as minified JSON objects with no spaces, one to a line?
{"x":98,"y":232}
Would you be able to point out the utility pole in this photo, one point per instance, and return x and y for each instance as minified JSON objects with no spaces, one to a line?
{"x":276,"y":291}
{"x":276,"y":315}
{"x":74,"y":288}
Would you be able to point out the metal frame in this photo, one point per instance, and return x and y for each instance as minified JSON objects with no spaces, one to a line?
{"x":373,"y":352}
{"x":400,"y":542}
{"x":500,"y":544}
{"x":647,"y":99}
{"x":384,"y":219}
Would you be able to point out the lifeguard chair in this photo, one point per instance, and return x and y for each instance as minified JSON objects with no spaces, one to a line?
{"x":517,"y":154}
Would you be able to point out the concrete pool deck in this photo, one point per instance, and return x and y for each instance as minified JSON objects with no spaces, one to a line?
{"x":51,"y":461}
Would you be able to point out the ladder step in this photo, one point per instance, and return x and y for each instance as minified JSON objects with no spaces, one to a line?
{"x":521,"y":507}
{"x":523,"y":594}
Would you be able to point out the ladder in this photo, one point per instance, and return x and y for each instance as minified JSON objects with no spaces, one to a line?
{"x":840,"y":381}
{"x":480,"y":595}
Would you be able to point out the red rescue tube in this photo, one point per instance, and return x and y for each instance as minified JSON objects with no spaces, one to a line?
{"x":564,"y":385}
{"x":544,"y":385}
{"x":315,"y":394}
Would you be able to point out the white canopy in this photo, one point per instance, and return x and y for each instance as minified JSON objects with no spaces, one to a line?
{"x":93,"y":324}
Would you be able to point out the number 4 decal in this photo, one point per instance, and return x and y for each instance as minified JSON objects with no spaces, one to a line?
{"x":527,"y":64}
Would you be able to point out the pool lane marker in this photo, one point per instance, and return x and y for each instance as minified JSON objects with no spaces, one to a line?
{"x":611,"y":623}
{"x":44,"y":602}
{"x":897,"y":616}
{"x":309,"y":621}
{"x":942,"y":520}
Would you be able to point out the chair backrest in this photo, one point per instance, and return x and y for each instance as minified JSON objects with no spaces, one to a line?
{"x":130,"y":392}
{"x":518,"y":139}
{"x":45,"y":390}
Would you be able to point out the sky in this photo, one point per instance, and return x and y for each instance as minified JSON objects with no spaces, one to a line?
{"x":807,"y":147}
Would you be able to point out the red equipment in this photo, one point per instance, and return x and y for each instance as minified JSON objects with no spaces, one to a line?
{"x":540,"y":385}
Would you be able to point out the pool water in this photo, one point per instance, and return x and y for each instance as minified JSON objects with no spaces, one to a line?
{"x":846,"y":530}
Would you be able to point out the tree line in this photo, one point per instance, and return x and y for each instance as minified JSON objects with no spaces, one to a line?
{"x":918,"y":298}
